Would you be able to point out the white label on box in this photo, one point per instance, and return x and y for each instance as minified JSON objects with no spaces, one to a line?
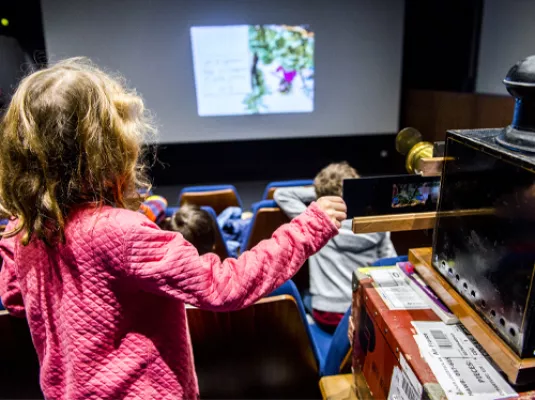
{"x":475,"y":378}
{"x":445,"y":340}
{"x":407,"y":370}
{"x":397,"y":294}
{"x":460,"y":368}
{"x":401,"y":388}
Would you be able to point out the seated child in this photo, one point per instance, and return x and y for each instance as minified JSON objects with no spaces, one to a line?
{"x":233,"y":224}
{"x":154,"y":208}
{"x":102,"y":287}
{"x":196,"y":226}
{"x":332,"y":267}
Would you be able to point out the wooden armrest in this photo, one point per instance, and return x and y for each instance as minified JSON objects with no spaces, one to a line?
{"x":338,"y":387}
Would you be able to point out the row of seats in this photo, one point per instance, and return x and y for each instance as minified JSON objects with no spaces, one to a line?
{"x":19,"y":366}
{"x":219,"y":197}
{"x":267,"y":216}
{"x":268,"y":350}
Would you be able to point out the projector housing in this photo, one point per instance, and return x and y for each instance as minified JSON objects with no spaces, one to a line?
{"x":489,"y":257}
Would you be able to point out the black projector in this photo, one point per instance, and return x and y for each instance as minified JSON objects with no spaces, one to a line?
{"x":484,"y":240}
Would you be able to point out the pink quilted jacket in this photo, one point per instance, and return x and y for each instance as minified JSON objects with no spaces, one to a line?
{"x":106,"y":310}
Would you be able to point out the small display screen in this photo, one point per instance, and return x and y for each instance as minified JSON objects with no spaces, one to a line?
{"x":398,"y":194}
{"x":413,"y":194}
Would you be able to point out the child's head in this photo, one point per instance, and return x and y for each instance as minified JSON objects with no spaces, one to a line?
{"x":196,"y":225}
{"x":71,"y":135}
{"x":330,"y":179}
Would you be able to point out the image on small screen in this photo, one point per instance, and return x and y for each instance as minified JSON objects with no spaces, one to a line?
{"x":253,"y":69}
{"x":411,"y":195}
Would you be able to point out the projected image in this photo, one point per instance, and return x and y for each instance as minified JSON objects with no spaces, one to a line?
{"x":253,"y":69}
{"x":411,"y":195}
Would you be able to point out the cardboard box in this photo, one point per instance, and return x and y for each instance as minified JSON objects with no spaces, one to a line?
{"x":381,"y":336}
{"x":384,"y":346}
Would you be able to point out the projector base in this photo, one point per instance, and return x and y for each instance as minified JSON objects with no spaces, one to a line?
{"x":517,"y":140}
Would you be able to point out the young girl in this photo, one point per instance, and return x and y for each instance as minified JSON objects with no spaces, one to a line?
{"x":102,"y":287}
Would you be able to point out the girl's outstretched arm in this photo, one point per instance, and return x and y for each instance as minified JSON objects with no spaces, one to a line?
{"x":164,"y":263}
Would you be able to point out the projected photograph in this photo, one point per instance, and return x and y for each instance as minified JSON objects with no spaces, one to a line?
{"x":411,"y":195}
{"x":253,"y":69}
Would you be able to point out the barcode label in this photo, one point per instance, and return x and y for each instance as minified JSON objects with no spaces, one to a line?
{"x":441,"y":339}
{"x":407,"y":388}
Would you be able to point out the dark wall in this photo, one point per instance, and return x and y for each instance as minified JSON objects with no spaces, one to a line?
{"x":25,"y":24}
{"x":272,"y":159}
{"x":22,"y":44}
{"x":441,"y":44}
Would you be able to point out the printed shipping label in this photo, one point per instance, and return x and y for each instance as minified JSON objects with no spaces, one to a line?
{"x":475,"y":378}
{"x":401,"y":388}
{"x":460,"y":368}
{"x":446,"y":340}
{"x":407,"y":370}
{"x":393,"y":288}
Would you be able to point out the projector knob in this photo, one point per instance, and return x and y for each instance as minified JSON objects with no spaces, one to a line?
{"x":409,"y":142}
{"x":520,"y":83}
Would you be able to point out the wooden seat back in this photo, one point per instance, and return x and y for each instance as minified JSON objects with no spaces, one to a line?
{"x":266,"y":221}
{"x":220,"y":247}
{"x":19,"y":366}
{"x":262,"y":351}
{"x":271,"y":191}
{"x":217,"y":199}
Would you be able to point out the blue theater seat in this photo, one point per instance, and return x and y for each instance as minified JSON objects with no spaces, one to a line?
{"x":220,"y":246}
{"x":170,"y":211}
{"x":289,"y":288}
{"x":331,"y":350}
{"x":338,"y":348}
{"x":267,"y":217}
{"x":386,"y":262}
{"x":271,"y":187}
{"x":219,"y":197}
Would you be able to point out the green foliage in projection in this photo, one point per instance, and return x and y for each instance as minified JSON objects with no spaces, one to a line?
{"x":291,"y":48}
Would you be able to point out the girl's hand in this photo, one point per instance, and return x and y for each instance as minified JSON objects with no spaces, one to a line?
{"x":335,"y":208}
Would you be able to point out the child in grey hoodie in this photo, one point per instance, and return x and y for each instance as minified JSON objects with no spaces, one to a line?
{"x":332,"y":267}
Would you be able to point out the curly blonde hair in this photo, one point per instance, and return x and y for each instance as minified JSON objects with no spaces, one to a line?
{"x":330,"y":179}
{"x":71,"y":135}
